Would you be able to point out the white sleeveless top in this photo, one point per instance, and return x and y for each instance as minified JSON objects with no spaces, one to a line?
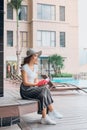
{"x":31,"y":73}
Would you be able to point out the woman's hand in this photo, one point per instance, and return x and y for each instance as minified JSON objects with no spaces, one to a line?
{"x":35,"y":84}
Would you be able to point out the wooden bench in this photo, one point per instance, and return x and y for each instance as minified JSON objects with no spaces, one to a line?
{"x":12,"y":107}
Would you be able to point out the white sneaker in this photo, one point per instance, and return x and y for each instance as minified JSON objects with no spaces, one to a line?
{"x":47,"y":121}
{"x":54,"y":114}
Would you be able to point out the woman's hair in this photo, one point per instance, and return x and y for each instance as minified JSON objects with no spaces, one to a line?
{"x":26,"y":60}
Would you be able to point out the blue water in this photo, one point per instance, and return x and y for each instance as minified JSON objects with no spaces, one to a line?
{"x":80,"y":83}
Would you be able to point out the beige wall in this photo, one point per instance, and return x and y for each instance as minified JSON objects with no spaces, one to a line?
{"x":70,"y":26}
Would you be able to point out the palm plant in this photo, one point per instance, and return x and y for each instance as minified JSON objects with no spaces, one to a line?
{"x":16,"y":4}
{"x":57,"y":63}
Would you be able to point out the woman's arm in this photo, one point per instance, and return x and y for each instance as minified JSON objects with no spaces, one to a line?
{"x":36,"y":79}
{"x":25,"y":79}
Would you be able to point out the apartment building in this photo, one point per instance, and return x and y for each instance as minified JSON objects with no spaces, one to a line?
{"x":47,"y":25}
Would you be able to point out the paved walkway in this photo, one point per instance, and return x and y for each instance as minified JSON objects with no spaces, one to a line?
{"x":71,"y":104}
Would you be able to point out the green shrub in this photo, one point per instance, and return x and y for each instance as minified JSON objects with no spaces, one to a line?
{"x":62,"y":75}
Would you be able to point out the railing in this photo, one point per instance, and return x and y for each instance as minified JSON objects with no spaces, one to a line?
{"x":82,"y":75}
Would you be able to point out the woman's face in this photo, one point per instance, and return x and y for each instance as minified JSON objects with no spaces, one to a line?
{"x":35,"y":58}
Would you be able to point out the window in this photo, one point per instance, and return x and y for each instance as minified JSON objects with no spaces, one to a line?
{"x":62,"y":39}
{"x":46,"y":38}
{"x":24,"y":39}
{"x":9,"y":38}
{"x":9,"y":12}
{"x":62,"y":13}
{"x":46,"y":12}
{"x":23,"y":13}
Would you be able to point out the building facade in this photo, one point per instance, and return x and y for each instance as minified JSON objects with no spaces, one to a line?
{"x":47,"y":25}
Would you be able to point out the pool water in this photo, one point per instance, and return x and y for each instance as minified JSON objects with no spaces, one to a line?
{"x":80,"y":83}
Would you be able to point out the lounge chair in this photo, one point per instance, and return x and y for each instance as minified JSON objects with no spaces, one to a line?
{"x":15,"y":78}
{"x":63,"y":86}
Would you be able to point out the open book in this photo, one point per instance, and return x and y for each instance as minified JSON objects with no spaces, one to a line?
{"x":51,"y":85}
{"x":43,"y":82}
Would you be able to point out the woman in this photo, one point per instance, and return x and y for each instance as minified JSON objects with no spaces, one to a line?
{"x":31,"y":88}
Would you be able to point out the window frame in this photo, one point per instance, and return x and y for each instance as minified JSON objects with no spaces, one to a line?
{"x":63,"y":39}
{"x":20,"y":13}
{"x":9,"y":10}
{"x":62,"y":13}
{"x":22,"y":42}
{"x":41,"y":39}
{"x":42,"y":15}
{"x":9,"y":45}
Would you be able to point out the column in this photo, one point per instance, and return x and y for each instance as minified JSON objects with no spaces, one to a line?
{"x":1,"y":46}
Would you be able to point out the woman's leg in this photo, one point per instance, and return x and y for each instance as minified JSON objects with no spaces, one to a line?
{"x":44,"y":111}
{"x":46,"y":119}
{"x":50,"y":107}
{"x":51,"y":111}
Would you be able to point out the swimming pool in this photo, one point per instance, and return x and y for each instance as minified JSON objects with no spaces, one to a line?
{"x":80,"y":83}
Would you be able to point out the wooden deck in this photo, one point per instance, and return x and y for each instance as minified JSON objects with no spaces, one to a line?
{"x":72,"y":104}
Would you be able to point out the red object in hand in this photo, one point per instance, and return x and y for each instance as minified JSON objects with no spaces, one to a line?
{"x":42,"y":82}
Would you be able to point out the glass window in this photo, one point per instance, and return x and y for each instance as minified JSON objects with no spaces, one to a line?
{"x":9,"y":12}
{"x":46,"y":38}
{"x":23,"y":13}
{"x":24,"y":39}
{"x":46,"y":12}
{"x":62,"y":13}
{"x":62,"y":39}
{"x":9,"y":38}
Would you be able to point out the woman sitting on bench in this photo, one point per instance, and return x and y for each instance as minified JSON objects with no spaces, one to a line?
{"x":32,"y":88}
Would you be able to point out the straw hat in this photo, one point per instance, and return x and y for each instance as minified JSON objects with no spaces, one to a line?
{"x":31,"y":52}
